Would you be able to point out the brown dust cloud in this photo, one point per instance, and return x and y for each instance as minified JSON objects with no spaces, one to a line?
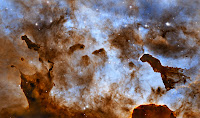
{"x":99,"y":59}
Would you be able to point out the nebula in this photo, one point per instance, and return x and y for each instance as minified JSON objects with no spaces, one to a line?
{"x":99,"y":58}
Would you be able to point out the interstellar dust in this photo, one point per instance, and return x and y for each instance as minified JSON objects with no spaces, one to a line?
{"x":152,"y":111}
{"x":170,"y":75}
{"x":78,"y":59}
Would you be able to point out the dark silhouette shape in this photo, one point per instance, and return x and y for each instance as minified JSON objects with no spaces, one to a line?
{"x":30,"y":44}
{"x":152,"y":111}
{"x":170,"y":75}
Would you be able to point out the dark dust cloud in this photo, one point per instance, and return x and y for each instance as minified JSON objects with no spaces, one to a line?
{"x":99,"y":59}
